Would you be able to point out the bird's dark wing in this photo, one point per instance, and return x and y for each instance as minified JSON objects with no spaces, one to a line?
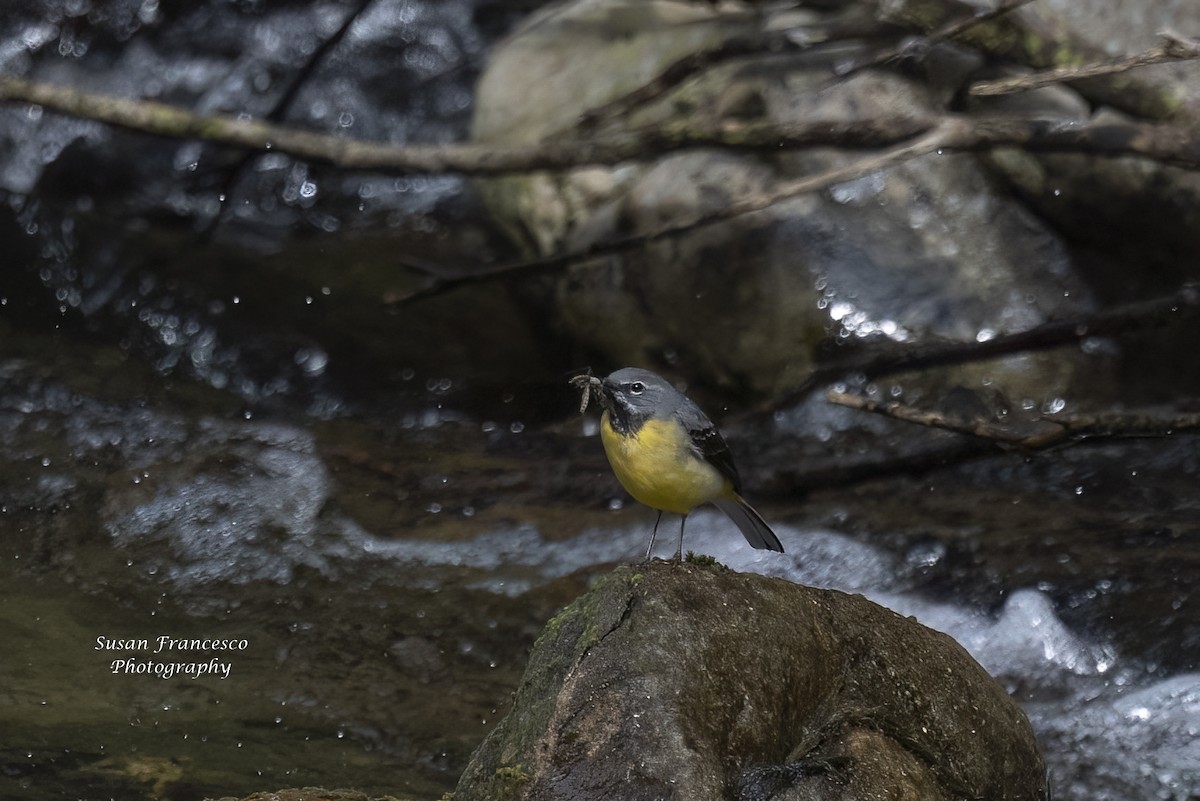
{"x":710,"y":445}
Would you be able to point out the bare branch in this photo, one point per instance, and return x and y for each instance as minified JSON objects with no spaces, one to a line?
{"x":915,"y":45}
{"x":949,"y":134}
{"x":877,"y":361}
{"x":1053,"y":334}
{"x":684,"y":68}
{"x":1170,"y":144}
{"x":160,"y":119}
{"x":905,"y":137}
{"x":1172,"y":49}
{"x":927,"y":143}
{"x":978,"y":427}
{"x":1036,"y":38}
{"x":1038,"y":434}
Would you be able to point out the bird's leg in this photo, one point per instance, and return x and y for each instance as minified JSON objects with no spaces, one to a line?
{"x":679,"y":551}
{"x":653,"y":534}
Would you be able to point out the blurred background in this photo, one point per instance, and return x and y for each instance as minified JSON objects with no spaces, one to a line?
{"x":248,"y":396}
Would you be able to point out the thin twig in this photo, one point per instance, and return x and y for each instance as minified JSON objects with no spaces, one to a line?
{"x":933,"y":418}
{"x":279,"y":110}
{"x":912,"y":45}
{"x":679,"y":71}
{"x":1172,"y":49}
{"x":927,"y":143}
{"x":1038,"y":39}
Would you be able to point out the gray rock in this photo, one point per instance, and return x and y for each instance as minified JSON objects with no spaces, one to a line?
{"x":699,"y":683}
{"x":927,"y":249}
{"x":1129,"y":208}
{"x":1123,"y":28}
{"x":1135,"y":222}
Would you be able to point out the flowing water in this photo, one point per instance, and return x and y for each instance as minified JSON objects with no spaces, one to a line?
{"x":198,"y":443}
{"x":379,"y":584}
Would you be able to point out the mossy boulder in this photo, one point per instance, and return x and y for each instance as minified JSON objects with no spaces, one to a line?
{"x":699,"y":683}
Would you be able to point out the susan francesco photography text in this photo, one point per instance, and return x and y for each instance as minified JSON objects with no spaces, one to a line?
{"x":194,"y":662}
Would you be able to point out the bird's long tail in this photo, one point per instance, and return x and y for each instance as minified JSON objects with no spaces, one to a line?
{"x":753,"y":527}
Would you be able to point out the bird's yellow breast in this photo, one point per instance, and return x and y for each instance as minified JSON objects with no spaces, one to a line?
{"x":657,"y":466}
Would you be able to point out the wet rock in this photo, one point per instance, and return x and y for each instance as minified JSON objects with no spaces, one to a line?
{"x":1135,"y":221}
{"x":311,"y":794}
{"x":928,"y":249}
{"x":699,"y":683}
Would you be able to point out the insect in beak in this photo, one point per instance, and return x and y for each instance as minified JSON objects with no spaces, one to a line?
{"x":586,"y":384}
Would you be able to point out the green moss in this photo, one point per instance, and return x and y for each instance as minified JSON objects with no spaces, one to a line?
{"x":567,"y":637}
{"x":508,"y":781}
{"x":585,"y":614}
{"x":705,"y":561}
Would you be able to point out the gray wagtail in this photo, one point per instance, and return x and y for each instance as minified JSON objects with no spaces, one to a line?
{"x":667,"y":453}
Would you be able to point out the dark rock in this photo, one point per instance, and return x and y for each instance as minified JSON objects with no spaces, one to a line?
{"x":699,"y":683}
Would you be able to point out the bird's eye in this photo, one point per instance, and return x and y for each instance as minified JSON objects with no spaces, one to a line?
{"x":637,"y":388}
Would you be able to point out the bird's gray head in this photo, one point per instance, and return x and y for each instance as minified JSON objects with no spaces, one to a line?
{"x":632,"y":396}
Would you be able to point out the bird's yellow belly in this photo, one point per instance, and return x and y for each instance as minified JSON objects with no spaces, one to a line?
{"x":657,"y":467}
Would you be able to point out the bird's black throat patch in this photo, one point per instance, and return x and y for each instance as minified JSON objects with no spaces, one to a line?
{"x":624,"y":420}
